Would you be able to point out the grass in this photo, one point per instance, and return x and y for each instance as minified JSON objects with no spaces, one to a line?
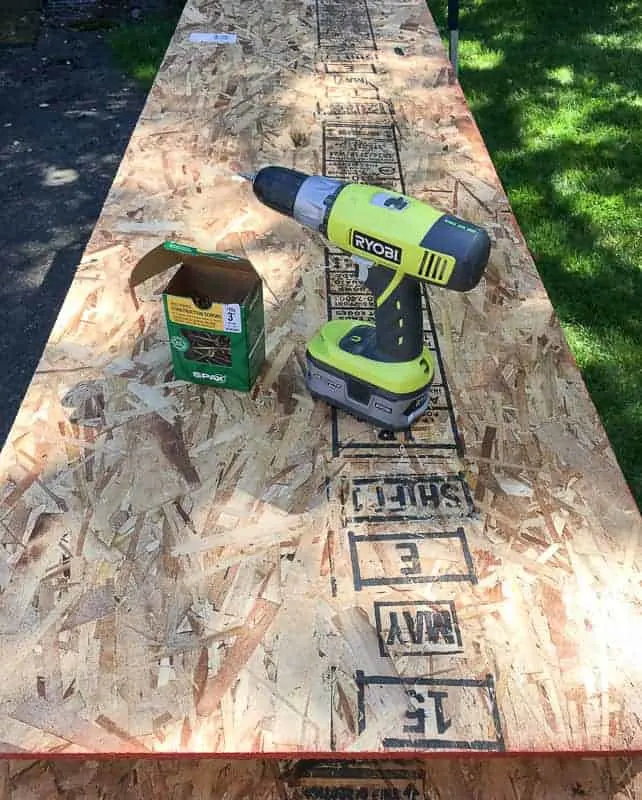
{"x":555,"y":89}
{"x":139,"y":47}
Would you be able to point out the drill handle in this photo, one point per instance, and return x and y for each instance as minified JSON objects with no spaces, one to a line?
{"x":398,"y":315}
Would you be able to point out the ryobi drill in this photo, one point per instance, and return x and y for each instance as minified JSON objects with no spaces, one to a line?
{"x":380,"y":372}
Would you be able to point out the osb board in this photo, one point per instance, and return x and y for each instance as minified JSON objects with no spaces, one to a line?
{"x":192,"y":779}
{"x":190,"y":570}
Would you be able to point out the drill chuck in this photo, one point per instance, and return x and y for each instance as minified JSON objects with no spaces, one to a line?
{"x":306,"y":198}
{"x":277,"y":188}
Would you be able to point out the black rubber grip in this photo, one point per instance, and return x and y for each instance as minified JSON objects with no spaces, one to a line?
{"x":468,"y":244}
{"x":277,"y":188}
{"x":399,"y":319}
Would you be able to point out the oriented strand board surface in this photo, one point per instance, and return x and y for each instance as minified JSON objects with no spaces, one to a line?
{"x":194,"y":779}
{"x":189,"y":570}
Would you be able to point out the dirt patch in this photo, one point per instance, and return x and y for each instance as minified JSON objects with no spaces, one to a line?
{"x":19,"y":21}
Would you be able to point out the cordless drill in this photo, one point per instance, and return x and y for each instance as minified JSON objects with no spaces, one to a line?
{"x":380,"y":372}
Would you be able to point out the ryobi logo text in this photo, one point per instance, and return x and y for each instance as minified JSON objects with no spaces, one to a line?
{"x":375,"y":247}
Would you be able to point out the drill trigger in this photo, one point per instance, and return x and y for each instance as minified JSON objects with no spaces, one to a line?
{"x":363,"y":265}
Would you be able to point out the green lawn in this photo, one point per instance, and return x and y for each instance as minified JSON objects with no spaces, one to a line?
{"x":139,"y":47}
{"x":555,"y":89}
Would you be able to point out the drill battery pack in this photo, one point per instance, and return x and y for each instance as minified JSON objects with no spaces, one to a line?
{"x":339,"y":371}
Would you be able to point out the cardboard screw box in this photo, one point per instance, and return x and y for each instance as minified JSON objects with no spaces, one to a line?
{"x":214,"y":314}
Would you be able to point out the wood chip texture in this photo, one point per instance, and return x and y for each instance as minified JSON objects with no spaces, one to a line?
{"x":190,"y":570}
{"x":510,"y":778}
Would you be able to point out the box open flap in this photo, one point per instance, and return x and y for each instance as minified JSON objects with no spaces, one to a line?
{"x":170,"y":254}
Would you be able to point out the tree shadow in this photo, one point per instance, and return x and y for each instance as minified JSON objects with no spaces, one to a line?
{"x":555,"y":91}
{"x":65,"y":118}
